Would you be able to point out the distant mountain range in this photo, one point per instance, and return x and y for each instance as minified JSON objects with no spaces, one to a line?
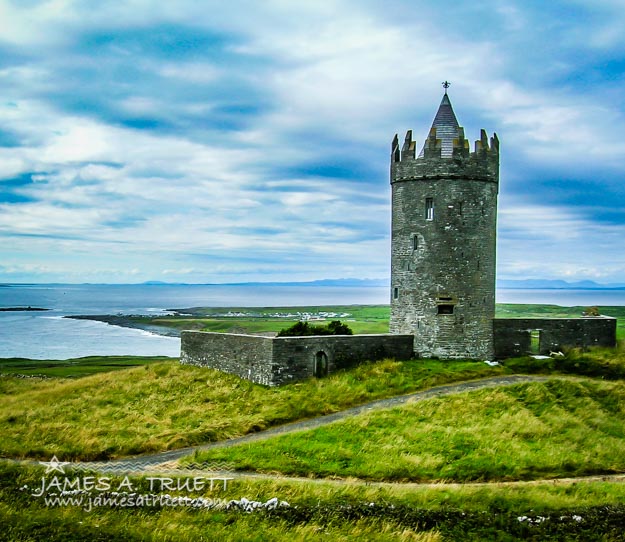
{"x":542,"y":284}
{"x":527,"y":284}
{"x":324,"y":282}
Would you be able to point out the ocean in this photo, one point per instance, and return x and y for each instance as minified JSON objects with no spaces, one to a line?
{"x":47,"y":335}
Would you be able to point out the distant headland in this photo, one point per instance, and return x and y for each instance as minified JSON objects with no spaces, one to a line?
{"x":21,"y":309}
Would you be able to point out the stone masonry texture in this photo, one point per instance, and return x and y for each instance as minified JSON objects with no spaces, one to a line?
{"x":275,"y":361}
{"x":443,"y":240}
{"x":513,"y":335}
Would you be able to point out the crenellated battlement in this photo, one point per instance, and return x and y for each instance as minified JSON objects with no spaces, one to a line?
{"x":433,"y":147}
{"x":446,"y":157}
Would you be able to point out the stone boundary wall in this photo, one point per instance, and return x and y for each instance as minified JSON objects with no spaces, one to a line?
{"x":274,"y":361}
{"x":295,"y":358}
{"x":247,"y":356}
{"x":513,"y":335}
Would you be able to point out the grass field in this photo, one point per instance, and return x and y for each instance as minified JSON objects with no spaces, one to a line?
{"x":361,"y":318}
{"x":325,"y":511}
{"x":557,"y":428}
{"x":166,"y":405}
{"x":529,"y":431}
{"x":72,"y":368}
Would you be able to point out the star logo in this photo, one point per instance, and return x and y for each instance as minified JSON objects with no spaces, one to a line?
{"x":54,"y":465}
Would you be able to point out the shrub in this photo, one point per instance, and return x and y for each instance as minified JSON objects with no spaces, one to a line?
{"x":300,"y":329}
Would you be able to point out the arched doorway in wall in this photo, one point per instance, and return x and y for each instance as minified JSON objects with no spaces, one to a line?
{"x":535,"y":340}
{"x":320,"y":367}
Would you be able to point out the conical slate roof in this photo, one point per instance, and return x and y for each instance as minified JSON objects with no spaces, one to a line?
{"x":446,"y":126}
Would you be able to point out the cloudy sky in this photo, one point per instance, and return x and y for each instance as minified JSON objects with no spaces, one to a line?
{"x":211,"y":141}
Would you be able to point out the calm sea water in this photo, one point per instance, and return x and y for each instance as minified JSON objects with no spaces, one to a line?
{"x":47,"y":335}
{"x":564,"y":298}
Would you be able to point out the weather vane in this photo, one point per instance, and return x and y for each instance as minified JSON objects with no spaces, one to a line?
{"x":446,"y":85}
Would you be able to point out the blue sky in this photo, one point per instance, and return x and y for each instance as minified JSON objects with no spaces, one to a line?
{"x":239,"y":141}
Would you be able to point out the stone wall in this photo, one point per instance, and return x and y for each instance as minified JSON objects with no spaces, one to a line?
{"x":296,"y":358}
{"x":247,"y":356}
{"x":274,"y":361}
{"x":280,"y":360}
{"x":513,"y":335}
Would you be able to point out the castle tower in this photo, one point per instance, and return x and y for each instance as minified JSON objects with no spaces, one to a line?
{"x":444,"y":220}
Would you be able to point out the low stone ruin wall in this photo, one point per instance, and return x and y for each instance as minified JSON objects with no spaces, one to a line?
{"x":513,"y":335}
{"x":274,"y":361}
{"x":247,"y":356}
{"x":280,"y":360}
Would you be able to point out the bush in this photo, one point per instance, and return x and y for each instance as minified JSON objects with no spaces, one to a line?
{"x":301,"y":329}
{"x":337,"y":328}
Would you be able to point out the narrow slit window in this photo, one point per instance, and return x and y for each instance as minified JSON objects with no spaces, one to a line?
{"x":395,"y":293}
{"x":415,"y":243}
{"x":429,"y":208}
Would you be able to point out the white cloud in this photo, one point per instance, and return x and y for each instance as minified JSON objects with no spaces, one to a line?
{"x":328,"y":83}
{"x":192,"y":72}
{"x":539,"y":241}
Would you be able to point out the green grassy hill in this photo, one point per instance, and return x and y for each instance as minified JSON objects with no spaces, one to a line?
{"x":562,"y":427}
{"x":515,"y":436}
{"x":75,"y":367}
{"x":165,"y":405}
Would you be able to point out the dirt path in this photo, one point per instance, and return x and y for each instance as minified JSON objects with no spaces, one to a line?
{"x":166,"y":461}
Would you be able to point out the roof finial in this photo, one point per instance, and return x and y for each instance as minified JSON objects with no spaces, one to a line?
{"x":446,"y":84}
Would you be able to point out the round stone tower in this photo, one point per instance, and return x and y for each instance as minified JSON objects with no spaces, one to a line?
{"x":444,"y":227}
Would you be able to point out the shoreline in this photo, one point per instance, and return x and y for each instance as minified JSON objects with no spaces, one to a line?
{"x":128,"y":322}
